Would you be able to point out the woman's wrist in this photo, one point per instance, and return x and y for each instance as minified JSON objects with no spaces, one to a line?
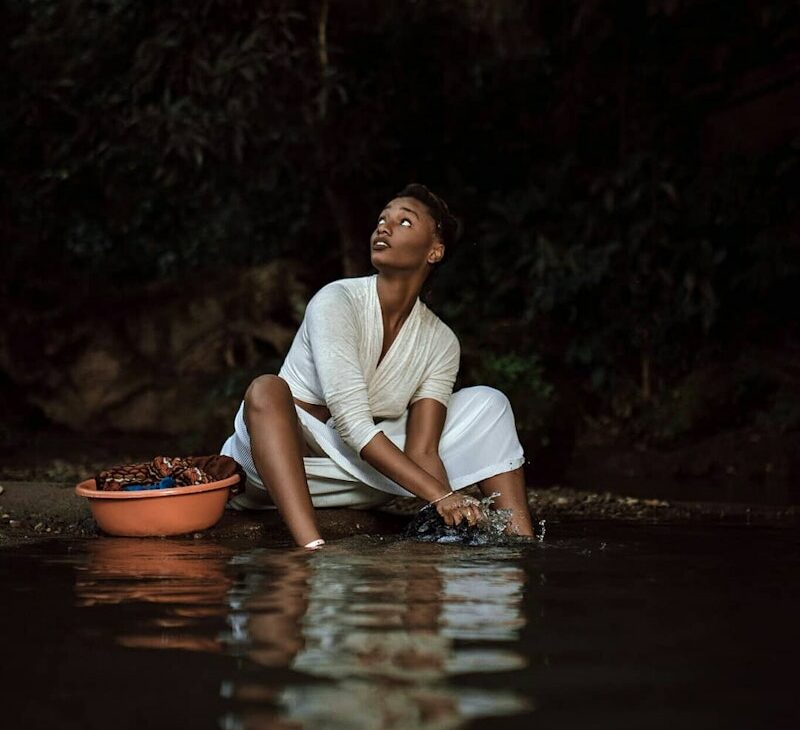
{"x":439,"y":499}
{"x":436,"y":492}
{"x":465,"y":499}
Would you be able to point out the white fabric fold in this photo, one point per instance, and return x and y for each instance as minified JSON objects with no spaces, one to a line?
{"x":334,"y":357}
{"x":333,"y":361}
{"x":479,"y":440}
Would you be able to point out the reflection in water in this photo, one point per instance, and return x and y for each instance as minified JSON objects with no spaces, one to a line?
{"x":362,"y":634}
{"x":187,"y":580}
{"x":388,"y":624}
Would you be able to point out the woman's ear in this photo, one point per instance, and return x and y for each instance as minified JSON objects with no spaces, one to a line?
{"x":436,"y":255}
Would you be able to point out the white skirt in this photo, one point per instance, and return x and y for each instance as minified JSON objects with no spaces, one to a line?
{"x":479,"y":440}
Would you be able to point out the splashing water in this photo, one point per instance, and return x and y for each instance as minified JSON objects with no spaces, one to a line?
{"x":428,"y":526}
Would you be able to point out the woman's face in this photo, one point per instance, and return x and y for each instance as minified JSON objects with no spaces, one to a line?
{"x":405,"y":236}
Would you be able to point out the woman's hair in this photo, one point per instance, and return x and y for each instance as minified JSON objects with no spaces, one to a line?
{"x":448,"y":227}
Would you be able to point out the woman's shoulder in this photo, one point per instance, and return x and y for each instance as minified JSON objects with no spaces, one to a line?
{"x":342,"y":291}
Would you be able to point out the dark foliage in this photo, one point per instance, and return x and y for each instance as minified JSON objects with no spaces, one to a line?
{"x":626,"y":223}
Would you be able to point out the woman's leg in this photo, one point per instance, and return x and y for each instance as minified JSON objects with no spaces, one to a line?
{"x":513,"y":496}
{"x":277,"y":447}
{"x":481,"y":430}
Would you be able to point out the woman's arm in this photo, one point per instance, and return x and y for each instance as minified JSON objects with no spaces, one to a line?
{"x":381,"y":453}
{"x":424,"y":428}
{"x":428,"y":407}
{"x":333,"y":337}
{"x":331,"y":325}
{"x":419,"y":469}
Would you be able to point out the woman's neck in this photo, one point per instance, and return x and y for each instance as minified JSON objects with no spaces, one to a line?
{"x":397,"y":296}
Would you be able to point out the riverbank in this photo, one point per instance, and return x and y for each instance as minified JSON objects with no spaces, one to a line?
{"x":31,"y":511}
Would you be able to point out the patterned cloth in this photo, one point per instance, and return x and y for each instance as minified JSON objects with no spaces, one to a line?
{"x":186,"y":471}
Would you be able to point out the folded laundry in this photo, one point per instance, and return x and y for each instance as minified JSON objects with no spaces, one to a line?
{"x":183,"y":471}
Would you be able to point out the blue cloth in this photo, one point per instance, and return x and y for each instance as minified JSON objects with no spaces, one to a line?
{"x":165,"y":483}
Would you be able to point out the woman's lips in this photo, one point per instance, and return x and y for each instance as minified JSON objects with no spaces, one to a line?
{"x":379,"y":245}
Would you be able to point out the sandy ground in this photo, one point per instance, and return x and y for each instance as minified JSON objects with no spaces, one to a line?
{"x":31,"y":511}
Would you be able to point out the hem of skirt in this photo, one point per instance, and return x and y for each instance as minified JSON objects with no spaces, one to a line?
{"x":359,"y":496}
{"x":243,"y":501}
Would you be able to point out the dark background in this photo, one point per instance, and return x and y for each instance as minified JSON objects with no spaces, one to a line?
{"x":176,"y":180}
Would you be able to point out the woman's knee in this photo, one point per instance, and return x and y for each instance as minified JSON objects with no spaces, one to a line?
{"x":267,"y":392}
{"x":490,"y":398}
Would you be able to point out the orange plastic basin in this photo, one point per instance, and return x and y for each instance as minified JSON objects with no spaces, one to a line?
{"x":159,"y":512}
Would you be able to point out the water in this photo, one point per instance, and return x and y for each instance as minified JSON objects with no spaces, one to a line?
{"x":428,"y":526}
{"x":594,"y":626}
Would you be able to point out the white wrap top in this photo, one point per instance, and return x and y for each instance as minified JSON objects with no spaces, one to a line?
{"x":333,"y":360}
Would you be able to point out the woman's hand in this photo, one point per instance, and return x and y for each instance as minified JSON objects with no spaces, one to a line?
{"x":457,"y":507}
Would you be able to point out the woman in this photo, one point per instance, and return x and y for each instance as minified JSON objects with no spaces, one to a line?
{"x":367,"y":385}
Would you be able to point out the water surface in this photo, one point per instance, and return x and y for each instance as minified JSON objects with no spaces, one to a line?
{"x":595,"y":626}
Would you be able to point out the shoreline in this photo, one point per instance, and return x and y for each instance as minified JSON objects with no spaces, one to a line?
{"x":33,"y":511}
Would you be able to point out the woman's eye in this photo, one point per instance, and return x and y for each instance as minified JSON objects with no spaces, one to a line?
{"x":381,"y":220}
{"x":404,"y":221}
